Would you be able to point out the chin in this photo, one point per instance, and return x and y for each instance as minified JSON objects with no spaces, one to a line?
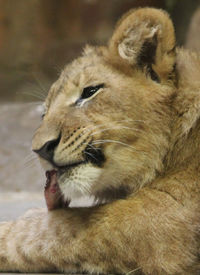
{"x":79,"y":181}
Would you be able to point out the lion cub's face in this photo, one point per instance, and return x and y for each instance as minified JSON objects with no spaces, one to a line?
{"x":104,"y":126}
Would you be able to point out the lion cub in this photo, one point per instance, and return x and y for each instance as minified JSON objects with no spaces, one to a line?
{"x":121,"y":124}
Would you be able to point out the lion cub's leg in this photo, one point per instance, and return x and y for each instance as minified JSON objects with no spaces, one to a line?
{"x":150,"y":232}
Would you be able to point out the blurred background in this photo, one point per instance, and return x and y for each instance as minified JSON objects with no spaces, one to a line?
{"x":37,"y":38}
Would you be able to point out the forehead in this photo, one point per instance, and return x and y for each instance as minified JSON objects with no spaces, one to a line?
{"x":90,"y":66}
{"x":87,"y":70}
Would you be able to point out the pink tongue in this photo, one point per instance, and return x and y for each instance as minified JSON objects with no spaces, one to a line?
{"x":53,"y":196}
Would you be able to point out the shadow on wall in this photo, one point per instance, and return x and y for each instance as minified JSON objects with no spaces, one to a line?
{"x":38,"y":37}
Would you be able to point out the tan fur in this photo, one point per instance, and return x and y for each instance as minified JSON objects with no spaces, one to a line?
{"x":150,"y":107}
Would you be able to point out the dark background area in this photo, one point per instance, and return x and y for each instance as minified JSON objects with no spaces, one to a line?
{"x":38,"y":37}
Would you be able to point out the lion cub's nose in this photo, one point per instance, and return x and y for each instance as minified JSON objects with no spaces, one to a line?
{"x":47,"y":150}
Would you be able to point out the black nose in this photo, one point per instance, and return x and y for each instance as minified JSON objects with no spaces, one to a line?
{"x":47,"y":150}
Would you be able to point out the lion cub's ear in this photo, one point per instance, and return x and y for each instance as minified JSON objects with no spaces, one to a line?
{"x":145,"y":38}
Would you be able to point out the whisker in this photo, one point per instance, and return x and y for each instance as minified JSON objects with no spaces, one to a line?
{"x":86,"y":188}
{"x":116,"y":141}
{"x":28,"y":158}
{"x":31,"y":154}
{"x":39,"y":93}
{"x":34,"y":94}
{"x":116,"y":128}
{"x":133,"y":271}
{"x":105,"y":124}
{"x":30,"y":161}
{"x":89,"y":154}
{"x":41,"y":86}
{"x":90,"y":145}
{"x":34,"y":103}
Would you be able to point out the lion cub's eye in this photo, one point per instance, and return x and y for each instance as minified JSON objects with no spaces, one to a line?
{"x":89,"y":91}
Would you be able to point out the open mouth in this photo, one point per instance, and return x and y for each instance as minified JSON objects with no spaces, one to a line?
{"x":52,"y":192}
{"x":53,"y":195}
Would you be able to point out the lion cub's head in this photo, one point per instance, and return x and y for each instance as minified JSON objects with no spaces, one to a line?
{"x":106,"y":123}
